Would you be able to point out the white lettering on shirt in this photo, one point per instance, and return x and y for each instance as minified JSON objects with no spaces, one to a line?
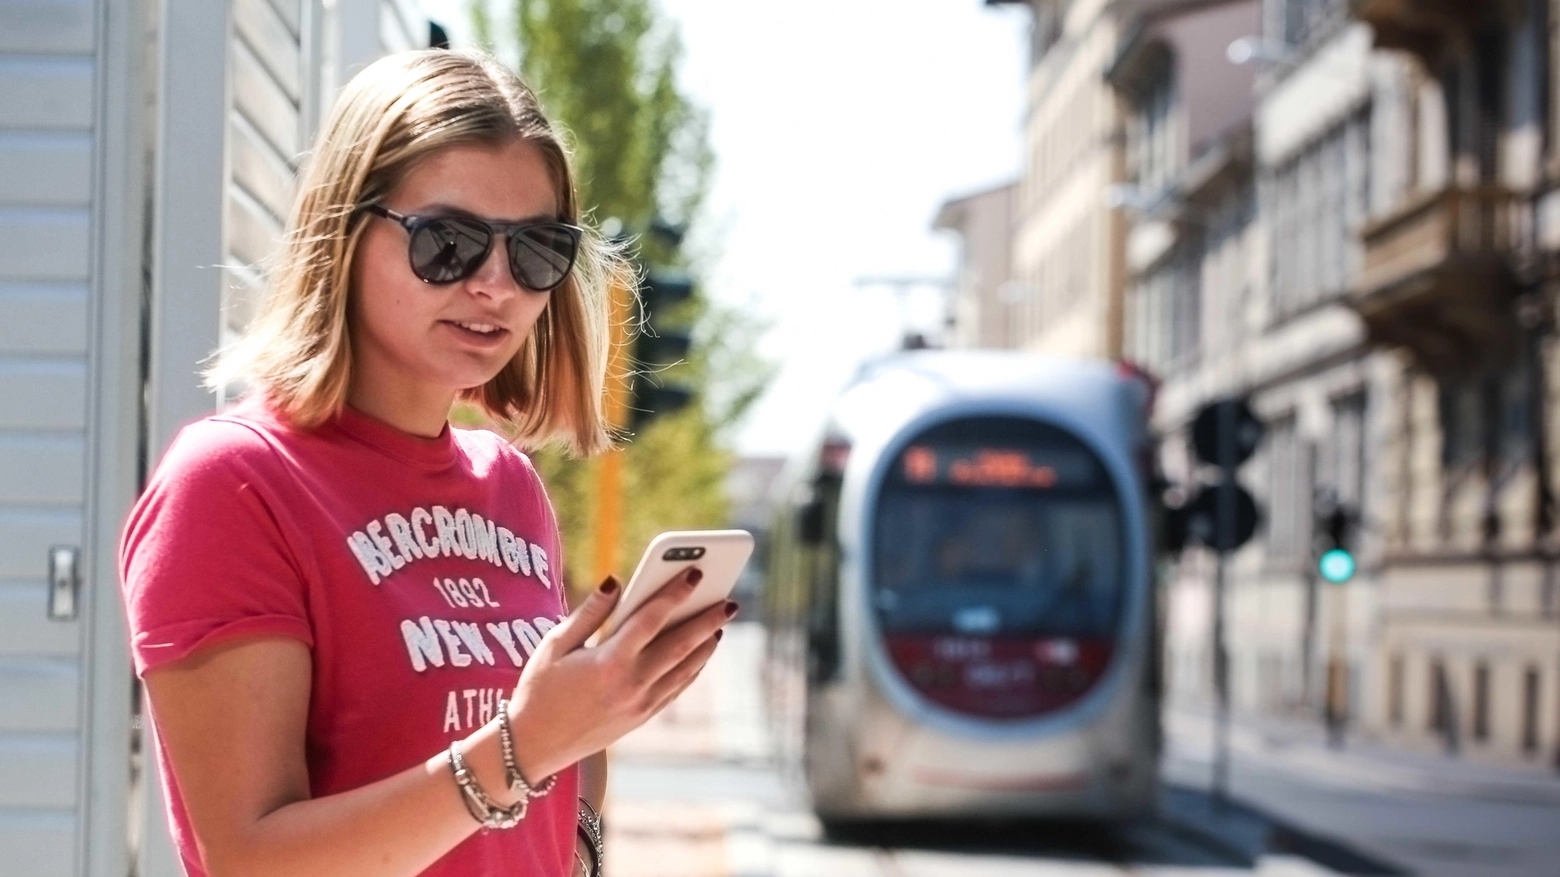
{"x":420,"y":521}
{"x":451,"y":643}
{"x":401,"y":532}
{"x":434,"y":642}
{"x":487,"y":539}
{"x":506,"y":641}
{"x":422,"y":644}
{"x":444,"y":522}
{"x":527,"y":636}
{"x":539,"y":561}
{"x":480,"y":706}
{"x":396,"y":541}
{"x":369,"y":556}
{"x":465,"y":534}
{"x":471,"y":637}
{"x":376,"y":533}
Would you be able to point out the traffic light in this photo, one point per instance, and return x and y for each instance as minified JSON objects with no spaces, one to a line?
{"x":657,"y":346}
{"x":1223,"y":515}
{"x":1334,"y":539}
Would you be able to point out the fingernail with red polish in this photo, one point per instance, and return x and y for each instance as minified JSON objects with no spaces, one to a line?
{"x":731,"y":608}
{"x":719,"y":634}
{"x":609,"y":587}
{"x":694,"y":575}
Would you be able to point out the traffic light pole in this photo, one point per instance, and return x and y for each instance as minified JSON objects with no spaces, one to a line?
{"x":1223,"y":517}
{"x":1338,"y":668}
{"x":609,"y":466}
{"x":1224,"y":513}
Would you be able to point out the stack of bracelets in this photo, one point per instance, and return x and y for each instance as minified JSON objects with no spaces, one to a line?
{"x":491,"y":814}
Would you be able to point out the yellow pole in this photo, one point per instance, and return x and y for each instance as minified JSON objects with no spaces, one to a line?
{"x":609,"y":467}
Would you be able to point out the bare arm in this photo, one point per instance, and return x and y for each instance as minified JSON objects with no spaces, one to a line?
{"x":233,"y":722}
{"x":593,"y":780}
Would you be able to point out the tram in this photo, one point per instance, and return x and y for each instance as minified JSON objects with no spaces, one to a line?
{"x":960,"y":597}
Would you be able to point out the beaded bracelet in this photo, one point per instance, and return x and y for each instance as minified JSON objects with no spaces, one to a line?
{"x":517,"y":782}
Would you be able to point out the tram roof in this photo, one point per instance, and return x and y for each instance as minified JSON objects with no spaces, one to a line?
{"x":889,"y":391}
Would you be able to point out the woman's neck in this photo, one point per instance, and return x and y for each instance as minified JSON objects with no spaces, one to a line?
{"x":419,"y":411}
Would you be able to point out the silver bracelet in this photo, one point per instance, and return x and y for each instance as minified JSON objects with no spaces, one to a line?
{"x":485,"y":810}
{"x":590,"y":829}
{"x":517,"y":782}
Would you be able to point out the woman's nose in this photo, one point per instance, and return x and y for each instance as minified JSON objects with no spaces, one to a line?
{"x":493,"y":278}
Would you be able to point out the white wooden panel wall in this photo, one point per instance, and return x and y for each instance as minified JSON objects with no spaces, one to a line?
{"x":47,"y":83}
{"x":265,"y":139}
{"x":278,"y":88}
{"x":70,"y":219}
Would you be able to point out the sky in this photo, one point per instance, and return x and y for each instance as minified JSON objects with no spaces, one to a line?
{"x":839,"y":127}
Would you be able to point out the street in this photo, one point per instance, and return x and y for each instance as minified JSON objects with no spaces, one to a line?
{"x":696,"y":794}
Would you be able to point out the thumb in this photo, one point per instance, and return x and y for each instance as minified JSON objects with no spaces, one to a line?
{"x":587,"y":618}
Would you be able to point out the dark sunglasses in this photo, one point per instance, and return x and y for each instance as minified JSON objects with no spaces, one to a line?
{"x":444,"y":249}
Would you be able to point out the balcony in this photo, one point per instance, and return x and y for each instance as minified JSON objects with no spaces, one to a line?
{"x":1426,"y":27}
{"x":1438,"y":276}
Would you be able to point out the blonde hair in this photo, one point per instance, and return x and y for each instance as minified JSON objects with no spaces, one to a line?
{"x":397,"y":111}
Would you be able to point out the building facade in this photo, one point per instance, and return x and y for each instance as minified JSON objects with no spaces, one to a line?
{"x":1457,"y":282}
{"x":1346,"y":211}
{"x":1276,"y":254}
{"x":1067,"y":242}
{"x":986,"y":297}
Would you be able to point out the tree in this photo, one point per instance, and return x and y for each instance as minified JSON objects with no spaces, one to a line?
{"x":605,"y":71}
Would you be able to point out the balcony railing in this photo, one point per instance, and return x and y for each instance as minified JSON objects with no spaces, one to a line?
{"x":1441,"y":229}
{"x":1438,"y":274}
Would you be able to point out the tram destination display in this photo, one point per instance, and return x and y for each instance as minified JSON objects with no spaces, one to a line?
{"x":1037,"y":467}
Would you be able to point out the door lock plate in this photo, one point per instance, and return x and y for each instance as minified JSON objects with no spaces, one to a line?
{"x":64,"y":581}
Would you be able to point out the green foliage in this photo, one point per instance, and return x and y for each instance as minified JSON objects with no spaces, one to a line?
{"x":605,"y":71}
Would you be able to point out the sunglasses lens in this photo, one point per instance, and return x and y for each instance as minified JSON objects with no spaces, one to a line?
{"x":445,"y":250}
{"x":541,"y":255}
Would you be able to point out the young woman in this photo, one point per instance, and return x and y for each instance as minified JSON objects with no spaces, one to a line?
{"x":349,"y":616}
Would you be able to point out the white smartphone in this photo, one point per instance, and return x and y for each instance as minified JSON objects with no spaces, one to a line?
{"x":719,"y":554}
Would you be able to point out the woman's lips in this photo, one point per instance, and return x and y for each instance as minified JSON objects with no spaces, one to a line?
{"x":485,"y":339}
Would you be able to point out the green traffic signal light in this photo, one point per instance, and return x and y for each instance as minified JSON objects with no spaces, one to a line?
{"x":1336,"y":566}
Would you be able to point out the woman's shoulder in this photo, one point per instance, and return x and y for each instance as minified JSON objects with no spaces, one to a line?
{"x":238,"y":439}
{"x":487,"y":447}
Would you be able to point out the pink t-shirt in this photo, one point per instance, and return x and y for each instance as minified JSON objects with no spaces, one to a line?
{"x":420,"y":572}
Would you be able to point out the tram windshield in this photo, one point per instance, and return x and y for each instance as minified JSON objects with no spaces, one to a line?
{"x":998,"y":527}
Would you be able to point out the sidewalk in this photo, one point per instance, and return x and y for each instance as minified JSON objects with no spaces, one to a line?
{"x":1363,"y":809}
{"x":1303,"y":749}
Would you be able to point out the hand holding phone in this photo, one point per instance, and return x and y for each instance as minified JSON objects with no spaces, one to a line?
{"x":719,"y":554}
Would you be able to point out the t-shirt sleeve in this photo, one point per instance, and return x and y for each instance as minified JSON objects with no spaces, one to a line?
{"x":203,"y":559}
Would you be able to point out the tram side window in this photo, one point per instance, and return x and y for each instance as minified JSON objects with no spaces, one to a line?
{"x":819,"y":531}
